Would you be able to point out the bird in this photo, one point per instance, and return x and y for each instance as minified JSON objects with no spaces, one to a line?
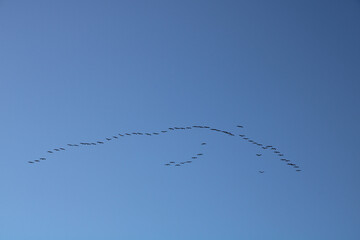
{"x":177,"y":165}
{"x":120,"y":135}
{"x":108,"y":139}
{"x":163,"y":131}
{"x":62,"y":148}
{"x":69,"y":144}
{"x":283,"y":159}
{"x":56,"y":149}
{"x":75,"y":145}
{"x":261,"y":171}
{"x":167,"y":164}
{"x":171,"y":128}
{"x":156,"y":133}
{"x":194,"y":157}
{"x":199,"y":154}
{"x":188,"y":161}
{"x":37,"y":160}
{"x":242,"y":135}
{"x":30,"y":162}
{"x":296,"y":167}
{"x":50,"y":152}
{"x":128,"y":134}
{"x":246,"y":138}
{"x":276,"y":152}
{"x":42,"y":158}
{"x":298,"y":170}
{"x":100,"y":142}
{"x":280,"y":155}
{"x":148,"y":134}
{"x":203,"y":143}
{"x":115,"y":137}
{"x":172,"y":162}
{"x":258,"y":154}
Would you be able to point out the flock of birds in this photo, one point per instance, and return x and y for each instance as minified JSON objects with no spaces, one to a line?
{"x":172,"y":163}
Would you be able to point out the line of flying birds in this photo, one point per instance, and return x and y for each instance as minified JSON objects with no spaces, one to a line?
{"x":177,"y":164}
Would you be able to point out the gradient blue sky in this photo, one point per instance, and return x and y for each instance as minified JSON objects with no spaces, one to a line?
{"x":75,"y":71}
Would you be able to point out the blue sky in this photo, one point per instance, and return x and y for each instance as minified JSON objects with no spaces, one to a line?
{"x":78,"y":71}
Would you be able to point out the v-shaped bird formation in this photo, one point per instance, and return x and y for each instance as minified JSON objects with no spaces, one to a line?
{"x":194,"y":158}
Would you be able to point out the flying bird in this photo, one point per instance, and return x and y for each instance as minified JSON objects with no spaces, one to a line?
{"x":261,"y":171}
{"x":258,"y":154}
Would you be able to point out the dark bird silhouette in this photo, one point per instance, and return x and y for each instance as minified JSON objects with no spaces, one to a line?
{"x":62,"y":148}
{"x":203,"y":143}
{"x":30,"y":162}
{"x":276,"y":152}
{"x":148,"y":134}
{"x":163,"y":131}
{"x":69,"y":144}
{"x":258,"y":154}
{"x":242,"y":135}
{"x":246,"y":138}
{"x":115,"y":137}
{"x":42,"y":158}
{"x":108,"y":139}
{"x":177,"y":165}
{"x":128,"y":134}
{"x":280,"y":155}
{"x":37,"y":160}
{"x":100,"y":142}
{"x":194,"y":157}
{"x":57,"y":149}
{"x":200,"y":154}
{"x":167,"y":164}
{"x":298,"y":170}
{"x":50,"y":152}
{"x":261,"y":171}
{"x":171,"y":128}
{"x":239,"y":126}
{"x":172,"y":162}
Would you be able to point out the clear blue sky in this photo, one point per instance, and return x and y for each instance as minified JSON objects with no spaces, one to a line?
{"x":74,"y":71}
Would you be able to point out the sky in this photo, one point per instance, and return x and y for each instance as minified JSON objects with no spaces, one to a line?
{"x":79,"y":71}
